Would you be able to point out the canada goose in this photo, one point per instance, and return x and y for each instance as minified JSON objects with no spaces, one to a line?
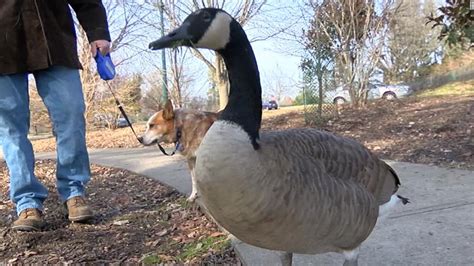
{"x":297,"y":191}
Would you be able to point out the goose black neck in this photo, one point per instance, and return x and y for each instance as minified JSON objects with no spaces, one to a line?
{"x":245,"y":97}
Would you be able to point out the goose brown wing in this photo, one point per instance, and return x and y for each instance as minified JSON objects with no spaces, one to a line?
{"x":338,"y":157}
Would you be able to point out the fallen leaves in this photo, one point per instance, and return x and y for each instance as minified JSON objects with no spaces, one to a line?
{"x":428,"y":130}
{"x":413,"y":130}
{"x":120,"y":223}
{"x":137,"y":220}
{"x":162,"y":232}
{"x":98,"y":139}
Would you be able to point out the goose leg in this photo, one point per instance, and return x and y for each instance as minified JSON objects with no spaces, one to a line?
{"x":350,"y":263}
{"x":351,"y":257}
{"x":286,"y":258}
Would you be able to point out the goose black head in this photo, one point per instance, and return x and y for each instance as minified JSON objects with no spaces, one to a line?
{"x":215,"y":29}
{"x":206,"y":28}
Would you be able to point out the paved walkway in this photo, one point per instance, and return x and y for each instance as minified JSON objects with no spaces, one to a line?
{"x":437,"y":228}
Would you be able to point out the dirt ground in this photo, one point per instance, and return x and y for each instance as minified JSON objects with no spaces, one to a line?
{"x":137,"y":221}
{"x":98,"y":139}
{"x":431,"y":131}
{"x":428,"y":129}
{"x":145,"y":222}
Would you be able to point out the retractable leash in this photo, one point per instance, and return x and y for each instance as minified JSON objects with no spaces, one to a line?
{"x":106,"y":70}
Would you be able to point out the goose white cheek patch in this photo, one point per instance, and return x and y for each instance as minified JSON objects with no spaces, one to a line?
{"x":218,"y":34}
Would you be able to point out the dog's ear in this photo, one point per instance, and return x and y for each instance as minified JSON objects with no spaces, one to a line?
{"x":168,"y":112}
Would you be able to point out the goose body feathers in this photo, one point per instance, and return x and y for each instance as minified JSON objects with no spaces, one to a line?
{"x":303,"y":191}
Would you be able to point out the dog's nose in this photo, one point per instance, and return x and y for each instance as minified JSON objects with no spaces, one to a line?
{"x":140,"y":139}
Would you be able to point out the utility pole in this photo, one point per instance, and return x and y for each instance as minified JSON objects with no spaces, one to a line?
{"x":164,"y":95}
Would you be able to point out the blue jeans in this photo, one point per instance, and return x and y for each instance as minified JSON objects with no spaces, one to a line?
{"x":61,"y":91}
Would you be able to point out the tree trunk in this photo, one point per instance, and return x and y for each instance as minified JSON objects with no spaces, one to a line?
{"x":175,"y":72}
{"x":222,"y":82}
{"x":89,"y":78}
{"x":321,"y":89}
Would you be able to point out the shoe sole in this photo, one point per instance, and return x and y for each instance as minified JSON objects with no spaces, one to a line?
{"x":25,"y":228}
{"x":83,"y":218}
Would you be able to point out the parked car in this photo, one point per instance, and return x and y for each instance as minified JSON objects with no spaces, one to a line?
{"x":340,"y":95}
{"x":122,"y":122}
{"x":270,"y":105}
{"x":389,"y":92}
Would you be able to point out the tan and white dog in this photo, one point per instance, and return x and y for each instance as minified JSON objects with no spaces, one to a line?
{"x":185,"y":128}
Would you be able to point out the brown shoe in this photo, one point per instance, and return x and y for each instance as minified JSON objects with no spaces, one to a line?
{"x":78,"y":211}
{"x":29,"y":220}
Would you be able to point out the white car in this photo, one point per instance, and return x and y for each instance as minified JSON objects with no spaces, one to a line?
{"x":389,"y":92}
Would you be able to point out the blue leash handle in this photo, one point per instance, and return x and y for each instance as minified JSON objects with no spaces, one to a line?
{"x":105,"y":66}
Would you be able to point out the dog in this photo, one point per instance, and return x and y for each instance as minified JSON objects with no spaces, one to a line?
{"x":183,"y":127}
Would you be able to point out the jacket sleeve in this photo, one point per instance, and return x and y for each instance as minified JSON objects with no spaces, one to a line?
{"x":93,"y":18}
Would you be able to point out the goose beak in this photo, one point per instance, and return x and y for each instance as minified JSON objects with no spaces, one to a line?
{"x":178,"y":37}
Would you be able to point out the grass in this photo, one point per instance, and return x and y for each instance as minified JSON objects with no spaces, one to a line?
{"x":151,"y":260}
{"x":462,"y":88}
{"x":189,"y":251}
{"x":200,"y":247}
{"x":183,"y":203}
{"x":282,"y":110}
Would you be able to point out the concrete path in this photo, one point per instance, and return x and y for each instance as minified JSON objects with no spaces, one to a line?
{"x":437,"y":228}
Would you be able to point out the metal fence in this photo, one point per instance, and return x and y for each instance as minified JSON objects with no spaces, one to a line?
{"x":440,"y":80}
{"x":316,"y":114}
{"x":316,"y":110}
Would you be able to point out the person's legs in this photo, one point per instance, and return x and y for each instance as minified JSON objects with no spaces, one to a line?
{"x":61,"y":90}
{"x":25,"y":189}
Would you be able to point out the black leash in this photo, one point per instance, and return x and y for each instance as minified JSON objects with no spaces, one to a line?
{"x":176,"y":148}
{"x":106,"y":70}
{"x":122,"y":111}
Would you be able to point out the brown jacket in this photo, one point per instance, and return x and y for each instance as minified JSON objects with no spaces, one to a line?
{"x":35,"y":34}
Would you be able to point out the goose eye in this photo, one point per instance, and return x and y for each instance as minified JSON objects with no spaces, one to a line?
{"x":206,"y":16}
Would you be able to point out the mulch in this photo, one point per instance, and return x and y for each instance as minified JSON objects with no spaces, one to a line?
{"x":138,"y":220}
{"x":435,"y":131}
{"x":427,"y":130}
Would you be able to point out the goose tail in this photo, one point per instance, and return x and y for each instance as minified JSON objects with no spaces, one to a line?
{"x":404,"y":200}
{"x":387,"y":208}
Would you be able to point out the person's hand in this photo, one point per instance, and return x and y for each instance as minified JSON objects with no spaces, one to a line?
{"x":103,"y":45}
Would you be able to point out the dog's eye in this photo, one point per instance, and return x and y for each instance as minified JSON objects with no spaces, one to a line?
{"x":151,"y":125}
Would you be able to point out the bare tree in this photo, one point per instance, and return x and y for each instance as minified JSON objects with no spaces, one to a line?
{"x":357,"y":31}
{"x":318,"y":61}
{"x":197,"y":103}
{"x":277,"y":84}
{"x":151,"y":100}
{"x":244,"y":12}
{"x":411,"y":45}
{"x":89,"y":77}
{"x":128,"y":90}
{"x":181,"y":78}
{"x":127,"y":30}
